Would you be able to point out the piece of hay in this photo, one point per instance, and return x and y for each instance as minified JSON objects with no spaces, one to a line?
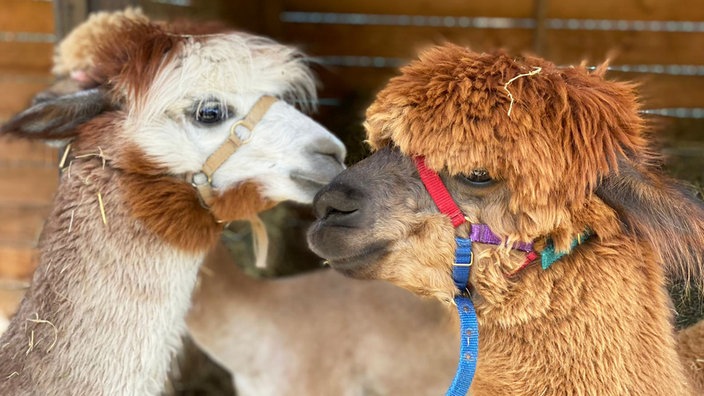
{"x":102,"y":208}
{"x":533,"y":72}
{"x":42,"y":321}
{"x":63,"y":157}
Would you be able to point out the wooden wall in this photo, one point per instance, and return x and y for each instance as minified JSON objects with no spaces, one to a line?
{"x":28,"y":174}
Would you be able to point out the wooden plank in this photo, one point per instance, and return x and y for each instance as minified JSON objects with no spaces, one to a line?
{"x":27,"y":16}
{"x":15,"y":152}
{"x":23,"y":57}
{"x":656,"y":90}
{"x":565,"y":46}
{"x":21,"y":225}
{"x":668,"y":91}
{"x":17,"y":262}
{"x":562,"y":46}
{"x":339,"y":82}
{"x":401,"y":42}
{"x":69,"y":13}
{"x":11,"y":293}
{"x":16,"y":92}
{"x":505,"y":8}
{"x":681,"y":10}
{"x":651,"y":10}
{"x":33,"y":186}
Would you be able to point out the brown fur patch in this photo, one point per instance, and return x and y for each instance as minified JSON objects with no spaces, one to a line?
{"x":690,"y":346}
{"x":170,"y":208}
{"x":131,"y":55}
{"x":167,"y":205}
{"x":240,"y":202}
{"x":77,"y":50}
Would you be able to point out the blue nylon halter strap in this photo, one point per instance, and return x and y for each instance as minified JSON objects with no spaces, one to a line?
{"x":469,"y":328}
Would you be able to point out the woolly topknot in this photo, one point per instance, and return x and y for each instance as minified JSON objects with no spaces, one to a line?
{"x":76,"y":52}
{"x":566,"y":129}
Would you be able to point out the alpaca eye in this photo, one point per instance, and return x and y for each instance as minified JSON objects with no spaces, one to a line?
{"x":478,"y":176}
{"x":210,"y":112}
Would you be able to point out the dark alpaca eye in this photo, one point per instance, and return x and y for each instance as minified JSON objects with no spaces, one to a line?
{"x":478,"y":176}
{"x":210,"y":112}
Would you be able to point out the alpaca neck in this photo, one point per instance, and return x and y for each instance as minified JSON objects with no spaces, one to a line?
{"x":106,"y":308}
{"x":225,"y":291}
{"x":598,"y":321}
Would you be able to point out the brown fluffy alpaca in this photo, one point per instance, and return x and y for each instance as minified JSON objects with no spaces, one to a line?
{"x":569,"y":156}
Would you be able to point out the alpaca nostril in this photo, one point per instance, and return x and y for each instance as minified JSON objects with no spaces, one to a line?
{"x":336,"y":205}
{"x":331,"y":212}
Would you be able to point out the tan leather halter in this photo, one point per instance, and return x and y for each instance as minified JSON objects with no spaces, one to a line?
{"x":202,"y":180}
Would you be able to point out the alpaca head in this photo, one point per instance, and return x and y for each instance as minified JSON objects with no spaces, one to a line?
{"x":157,"y":103}
{"x":535,"y":173}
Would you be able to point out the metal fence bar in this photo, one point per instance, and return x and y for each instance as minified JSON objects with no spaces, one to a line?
{"x":489,"y":22}
{"x":177,"y":3}
{"x":406,"y":20}
{"x":27,"y":37}
{"x":388,"y":62}
{"x":677,"y":112}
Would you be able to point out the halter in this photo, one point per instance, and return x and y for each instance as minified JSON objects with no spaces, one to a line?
{"x":203,"y":179}
{"x":481,"y":233}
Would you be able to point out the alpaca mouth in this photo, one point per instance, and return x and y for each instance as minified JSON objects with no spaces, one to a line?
{"x":365,"y":258}
{"x":310,"y":180}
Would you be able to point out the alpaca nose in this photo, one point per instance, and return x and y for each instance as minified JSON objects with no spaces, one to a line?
{"x":338,"y":205}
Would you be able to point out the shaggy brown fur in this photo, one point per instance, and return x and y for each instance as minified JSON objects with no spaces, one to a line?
{"x":572,"y":155}
{"x":690,"y":346}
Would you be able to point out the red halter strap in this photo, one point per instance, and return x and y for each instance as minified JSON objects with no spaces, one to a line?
{"x":437,"y":190}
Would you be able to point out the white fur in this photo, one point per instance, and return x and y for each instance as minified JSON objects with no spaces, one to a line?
{"x":4,"y":322}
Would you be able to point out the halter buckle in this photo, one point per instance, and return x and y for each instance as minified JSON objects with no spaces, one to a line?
{"x":200,"y":179}
{"x":471,"y":261}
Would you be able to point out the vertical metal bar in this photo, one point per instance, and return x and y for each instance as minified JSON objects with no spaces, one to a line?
{"x":540,"y":12}
{"x":271,"y":11}
{"x":68,"y":14}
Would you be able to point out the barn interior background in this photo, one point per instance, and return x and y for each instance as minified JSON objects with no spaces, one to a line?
{"x":358,"y":45}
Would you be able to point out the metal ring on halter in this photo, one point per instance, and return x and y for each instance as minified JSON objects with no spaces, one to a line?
{"x":200,"y":178}
{"x":233,"y":133}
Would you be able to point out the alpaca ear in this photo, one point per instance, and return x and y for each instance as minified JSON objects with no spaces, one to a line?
{"x":56,"y":118}
{"x":661,"y":211}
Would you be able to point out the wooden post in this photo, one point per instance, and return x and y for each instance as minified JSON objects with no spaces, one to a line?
{"x":541,"y":7}
{"x":110,"y":5}
{"x":68,"y":14}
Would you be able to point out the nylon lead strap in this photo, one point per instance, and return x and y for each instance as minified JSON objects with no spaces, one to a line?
{"x":469,"y":327}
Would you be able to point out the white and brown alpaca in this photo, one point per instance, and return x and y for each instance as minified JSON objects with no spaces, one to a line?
{"x":320,"y":333}
{"x":120,"y":251}
{"x":538,"y":153}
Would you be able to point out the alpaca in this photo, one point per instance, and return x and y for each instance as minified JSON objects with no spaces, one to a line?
{"x":556,"y":156}
{"x":142,"y":199}
{"x":320,"y":333}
